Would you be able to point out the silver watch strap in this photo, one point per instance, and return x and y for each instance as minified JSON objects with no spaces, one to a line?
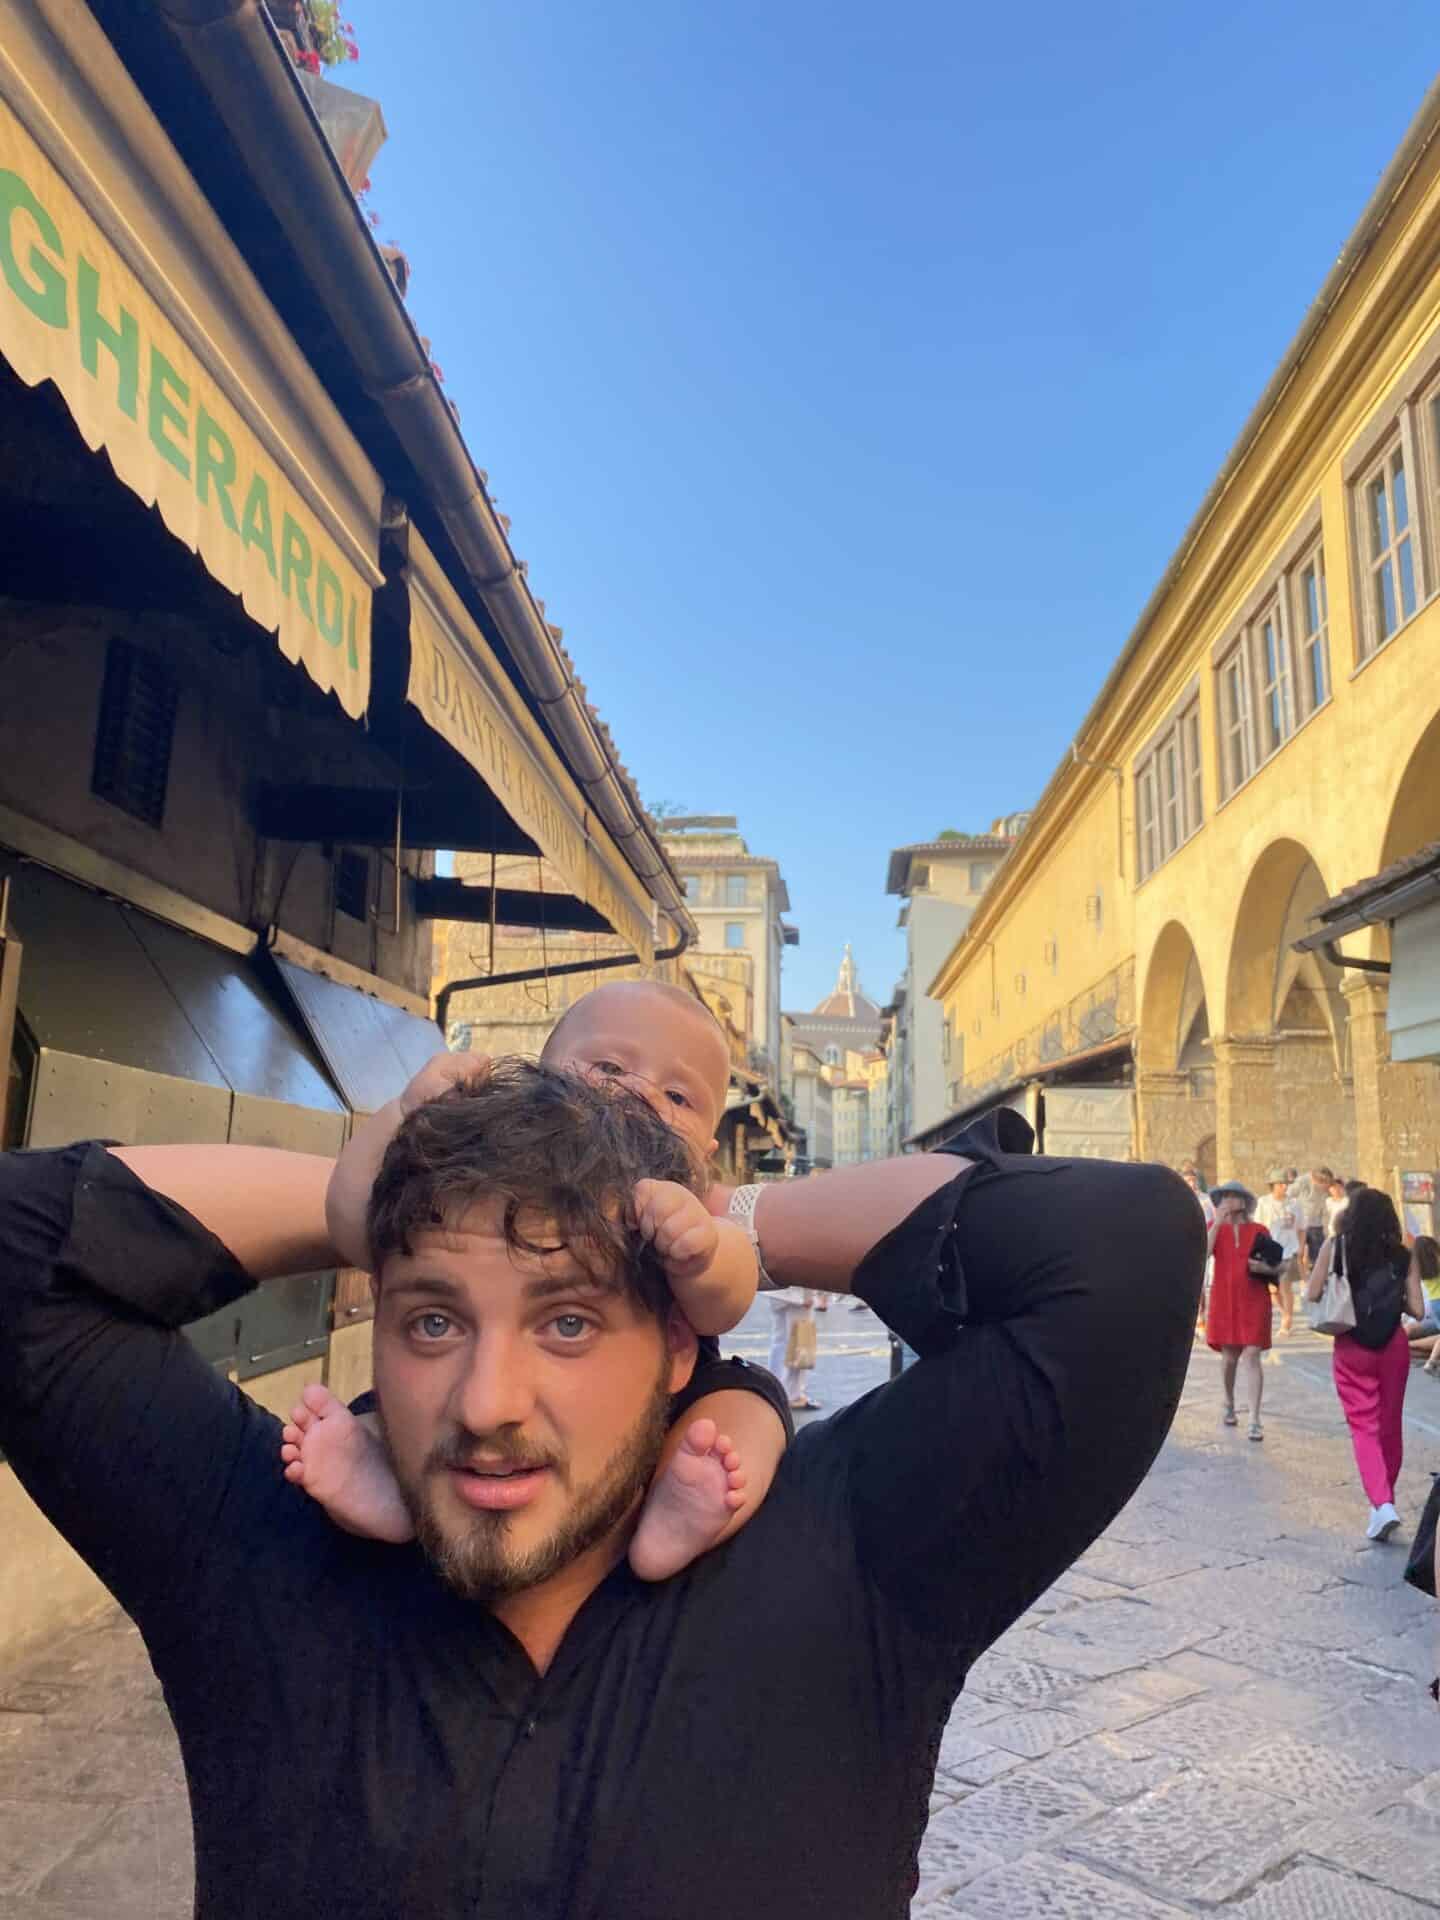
{"x":743,"y":1202}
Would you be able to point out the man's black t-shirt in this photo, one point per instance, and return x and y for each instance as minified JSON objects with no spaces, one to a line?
{"x":360,"y":1742}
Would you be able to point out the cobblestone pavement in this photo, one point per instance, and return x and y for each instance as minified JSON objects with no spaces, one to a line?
{"x":1220,"y":1709}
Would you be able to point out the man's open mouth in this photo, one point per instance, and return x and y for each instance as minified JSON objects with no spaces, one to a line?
{"x":502,"y":1486}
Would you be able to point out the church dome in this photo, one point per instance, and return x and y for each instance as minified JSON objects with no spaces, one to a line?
{"x":847,"y":1002}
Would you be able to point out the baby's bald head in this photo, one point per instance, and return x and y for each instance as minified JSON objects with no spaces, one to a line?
{"x":658,"y":1039}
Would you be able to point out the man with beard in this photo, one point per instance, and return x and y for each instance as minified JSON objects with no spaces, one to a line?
{"x":501,"y":1720}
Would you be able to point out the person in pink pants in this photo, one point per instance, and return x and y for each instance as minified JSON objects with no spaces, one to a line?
{"x":1372,"y":1364}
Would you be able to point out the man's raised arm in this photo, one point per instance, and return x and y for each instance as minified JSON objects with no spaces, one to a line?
{"x":266,"y":1206}
{"x":1052,"y":1303}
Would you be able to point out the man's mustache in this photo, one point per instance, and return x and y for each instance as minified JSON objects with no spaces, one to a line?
{"x":476,"y":1453}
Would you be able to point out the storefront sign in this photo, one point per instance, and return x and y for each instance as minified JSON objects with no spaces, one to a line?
{"x":458,"y":686}
{"x":134,"y":373}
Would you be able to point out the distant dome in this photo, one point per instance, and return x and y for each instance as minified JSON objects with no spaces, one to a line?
{"x":847,"y":1002}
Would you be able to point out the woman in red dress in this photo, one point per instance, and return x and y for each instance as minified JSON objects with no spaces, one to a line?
{"x":1237,"y":1324}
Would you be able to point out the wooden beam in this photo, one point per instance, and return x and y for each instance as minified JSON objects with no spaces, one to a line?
{"x":514,"y":907}
{"x":365,"y":817}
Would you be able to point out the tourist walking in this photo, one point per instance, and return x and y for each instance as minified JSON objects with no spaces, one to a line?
{"x":793,"y":1343}
{"x":1334,"y":1207}
{"x":1190,"y":1174}
{"x":1237,"y":1320}
{"x":1279,"y":1216}
{"x":1427,"y":1259}
{"x":1372,"y":1361}
{"x":1310,"y":1193}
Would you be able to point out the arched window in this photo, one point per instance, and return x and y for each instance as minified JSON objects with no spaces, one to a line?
{"x":832,"y":1056}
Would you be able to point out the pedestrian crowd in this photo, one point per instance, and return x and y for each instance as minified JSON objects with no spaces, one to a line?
{"x":1340,"y":1242}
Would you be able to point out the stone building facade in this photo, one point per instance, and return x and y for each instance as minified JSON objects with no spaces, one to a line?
{"x":1269,"y":735}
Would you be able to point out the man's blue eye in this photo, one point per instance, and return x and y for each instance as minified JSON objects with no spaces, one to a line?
{"x":433,"y":1326}
{"x":571,"y":1326}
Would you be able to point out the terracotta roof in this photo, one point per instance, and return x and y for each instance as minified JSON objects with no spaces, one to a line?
{"x":1387,"y":895}
{"x":1383,"y":882}
{"x":898,"y":873}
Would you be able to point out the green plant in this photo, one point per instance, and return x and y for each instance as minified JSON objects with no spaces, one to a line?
{"x":323,"y":39}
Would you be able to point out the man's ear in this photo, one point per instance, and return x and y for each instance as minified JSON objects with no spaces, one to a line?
{"x":682,"y":1346}
{"x":714,"y":1147}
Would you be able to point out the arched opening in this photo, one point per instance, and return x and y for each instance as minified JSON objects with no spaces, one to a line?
{"x":1415,"y":811}
{"x":1177,"y":1067}
{"x":1400,"y":1099}
{"x":1285,"y":1095}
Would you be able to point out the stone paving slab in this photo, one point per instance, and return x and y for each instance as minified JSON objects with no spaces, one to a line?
{"x":1314,"y":1893}
{"x":1220,"y":1710}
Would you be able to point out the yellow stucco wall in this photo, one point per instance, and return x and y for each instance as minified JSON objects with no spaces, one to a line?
{"x":350,"y":1365}
{"x":44,"y":1585}
{"x":1068,"y":929}
{"x":1356,"y":786}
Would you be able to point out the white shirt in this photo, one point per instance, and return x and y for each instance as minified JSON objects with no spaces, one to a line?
{"x":1280,"y":1219}
{"x":1333,"y":1210}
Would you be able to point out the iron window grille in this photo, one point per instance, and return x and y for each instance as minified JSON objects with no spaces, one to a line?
{"x":135,"y":734}
{"x":352,"y":884}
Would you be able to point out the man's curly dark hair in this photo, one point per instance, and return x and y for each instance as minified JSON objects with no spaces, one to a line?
{"x":547,"y":1146}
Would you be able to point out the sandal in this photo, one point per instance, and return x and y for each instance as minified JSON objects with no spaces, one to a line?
{"x":806,"y":1405}
{"x":1257,"y":1432}
{"x":1229,"y":1418}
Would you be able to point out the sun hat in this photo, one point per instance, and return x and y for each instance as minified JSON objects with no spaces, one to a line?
{"x":1217,"y":1194}
{"x":1276,"y":1173}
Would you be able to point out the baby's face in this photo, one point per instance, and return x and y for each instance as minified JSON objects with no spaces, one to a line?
{"x":673,"y":1058}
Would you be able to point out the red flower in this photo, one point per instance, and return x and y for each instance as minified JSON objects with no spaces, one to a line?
{"x":352,"y":50}
{"x":310,"y":62}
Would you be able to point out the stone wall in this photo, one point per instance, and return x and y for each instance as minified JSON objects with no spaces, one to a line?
{"x":1177,"y":1117}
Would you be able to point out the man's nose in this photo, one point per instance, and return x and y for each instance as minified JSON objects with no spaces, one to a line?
{"x":497,"y":1389}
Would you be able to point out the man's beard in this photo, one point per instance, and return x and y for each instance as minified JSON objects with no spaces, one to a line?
{"x":475,"y":1560}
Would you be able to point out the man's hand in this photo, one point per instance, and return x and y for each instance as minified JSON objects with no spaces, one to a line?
{"x":709,"y":1263}
{"x":348,"y":1196}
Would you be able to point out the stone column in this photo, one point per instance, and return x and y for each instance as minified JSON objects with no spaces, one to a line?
{"x":1247,"y":1128}
{"x":1397,"y":1105}
{"x":1171,"y":1120}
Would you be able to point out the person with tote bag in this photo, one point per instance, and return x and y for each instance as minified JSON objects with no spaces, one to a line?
{"x":1371,"y":1360}
{"x":793,"y":1343}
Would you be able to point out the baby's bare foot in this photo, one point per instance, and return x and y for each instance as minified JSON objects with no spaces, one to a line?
{"x":341,"y":1464}
{"x":690,"y":1505}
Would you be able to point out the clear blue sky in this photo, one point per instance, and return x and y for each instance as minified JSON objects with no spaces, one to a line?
{"x":849,"y":373}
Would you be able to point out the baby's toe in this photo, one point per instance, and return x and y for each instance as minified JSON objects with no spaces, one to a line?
{"x":319,"y":1399}
{"x":700,"y":1436}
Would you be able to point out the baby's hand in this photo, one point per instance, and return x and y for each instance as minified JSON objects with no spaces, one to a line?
{"x":677,"y":1225}
{"x":348,"y":1197}
{"x":710,"y":1264}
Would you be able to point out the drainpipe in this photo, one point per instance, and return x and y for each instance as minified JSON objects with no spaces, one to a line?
{"x":605,"y":965}
{"x":1338,"y":959}
{"x":239,"y":59}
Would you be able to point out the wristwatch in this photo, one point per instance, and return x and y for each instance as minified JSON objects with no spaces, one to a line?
{"x":743,"y":1202}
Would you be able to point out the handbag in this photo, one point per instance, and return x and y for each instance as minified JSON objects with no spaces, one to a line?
{"x":800,"y":1348}
{"x":1334,"y":1311}
{"x":1271,"y":1254}
{"x":1420,"y":1567}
